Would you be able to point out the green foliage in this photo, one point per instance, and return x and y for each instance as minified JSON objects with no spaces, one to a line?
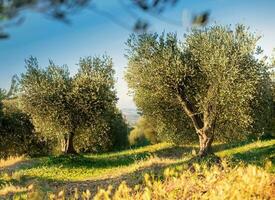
{"x":143,"y":133}
{"x":44,"y":97}
{"x":2,"y":96}
{"x":272,"y":76}
{"x":120,"y":130}
{"x":17,"y":133}
{"x":108,"y":133}
{"x":137,"y":138}
{"x":81,"y":107}
{"x":212,"y":81}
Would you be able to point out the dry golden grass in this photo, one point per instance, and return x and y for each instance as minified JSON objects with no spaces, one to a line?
{"x":11,"y":189}
{"x":215,"y":183}
{"x":11,"y":161}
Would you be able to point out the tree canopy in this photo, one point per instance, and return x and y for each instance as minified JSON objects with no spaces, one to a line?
{"x":62,"y":106}
{"x":209,"y":82}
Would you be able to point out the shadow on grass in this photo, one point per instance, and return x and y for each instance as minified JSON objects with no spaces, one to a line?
{"x":256,"y":156}
{"x":86,"y":162}
{"x":131,"y":178}
{"x":175,"y":152}
{"x":81,"y":161}
{"x":227,"y":146}
{"x":119,"y":160}
{"x":115,"y":160}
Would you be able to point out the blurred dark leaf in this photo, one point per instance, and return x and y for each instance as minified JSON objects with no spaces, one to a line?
{"x":201,"y":19}
{"x":141,"y":4}
{"x":4,"y":35}
{"x":154,"y":5}
{"x":141,"y":26}
{"x":59,"y":15}
{"x":11,"y":12}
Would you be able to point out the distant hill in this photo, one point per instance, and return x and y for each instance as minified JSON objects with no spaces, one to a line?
{"x":131,"y":115}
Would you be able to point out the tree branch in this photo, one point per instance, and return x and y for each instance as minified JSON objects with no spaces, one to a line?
{"x":190,"y":110}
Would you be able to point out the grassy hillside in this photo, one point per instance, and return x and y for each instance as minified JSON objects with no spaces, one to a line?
{"x":90,"y":171}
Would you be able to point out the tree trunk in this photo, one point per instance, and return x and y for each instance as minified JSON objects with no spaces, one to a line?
{"x":67,"y":146}
{"x":205,"y":143}
{"x":202,"y":122}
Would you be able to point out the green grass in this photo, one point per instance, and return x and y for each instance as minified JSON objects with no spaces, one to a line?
{"x":256,"y":153}
{"x":88,"y":166}
{"x":129,"y":164}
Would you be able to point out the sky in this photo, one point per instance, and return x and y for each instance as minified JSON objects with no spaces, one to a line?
{"x":93,"y":34}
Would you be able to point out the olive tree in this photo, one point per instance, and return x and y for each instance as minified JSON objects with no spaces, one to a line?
{"x":61,"y":105}
{"x":208,"y":81}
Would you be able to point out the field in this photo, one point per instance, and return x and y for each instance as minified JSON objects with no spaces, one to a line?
{"x":155,"y":167}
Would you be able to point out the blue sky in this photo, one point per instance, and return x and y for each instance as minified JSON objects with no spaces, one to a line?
{"x":91,"y":34}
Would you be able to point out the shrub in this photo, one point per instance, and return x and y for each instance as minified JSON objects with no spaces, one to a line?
{"x":143,"y":133}
{"x":137,"y":138}
{"x":17,"y":133}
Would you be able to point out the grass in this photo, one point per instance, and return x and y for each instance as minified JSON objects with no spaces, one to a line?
{"x":89,"y":166}
{"x":91,"y":171}
{"x":257,"y":153}
{"x":11,"y":161}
